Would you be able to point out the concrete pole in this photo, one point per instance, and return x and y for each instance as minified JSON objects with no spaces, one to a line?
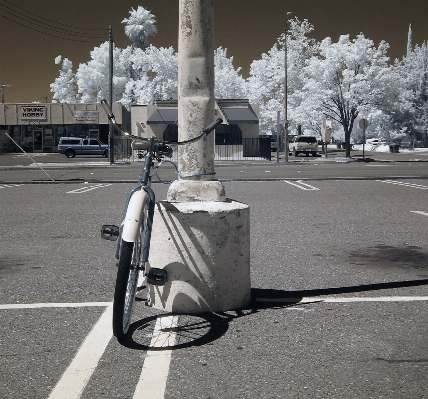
{"x":196,"y":104}
{"x":199,"y":238}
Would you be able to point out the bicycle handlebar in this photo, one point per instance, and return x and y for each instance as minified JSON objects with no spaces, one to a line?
{"x":205,"y":132}
{"x":111,"y":117}
{"x":213,"y":125}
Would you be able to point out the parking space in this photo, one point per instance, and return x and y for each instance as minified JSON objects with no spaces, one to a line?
{"x":339,"y":299}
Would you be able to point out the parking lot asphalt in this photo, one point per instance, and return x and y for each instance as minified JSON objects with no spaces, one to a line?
{"x":352,"y":258}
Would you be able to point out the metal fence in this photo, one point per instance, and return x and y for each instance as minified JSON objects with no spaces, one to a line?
{"x":250,"y":149}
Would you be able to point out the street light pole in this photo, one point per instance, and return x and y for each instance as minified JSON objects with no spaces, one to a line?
{"x":111,"y":127}
{"x":2,"y":86}
{"x":286,"y":89}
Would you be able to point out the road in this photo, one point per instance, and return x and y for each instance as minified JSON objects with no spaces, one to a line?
{"x":15,"y":168}
{"x":339,"y":290}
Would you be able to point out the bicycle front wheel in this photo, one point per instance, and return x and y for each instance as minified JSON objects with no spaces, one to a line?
{"x":130,"y":263}
{"x":124,"y":294}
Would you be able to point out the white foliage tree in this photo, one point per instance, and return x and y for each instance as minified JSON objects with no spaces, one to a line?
{"x":413,"y":115}
{"x":347,"y":78}
{"x":267,"y":76}
{"x":155,"y":76}
{"x":64,"y":86}
{"x":92,"y":77}
{"x":142,"y":73}
{"x":229,"y":83}
{"x":140,"y":26}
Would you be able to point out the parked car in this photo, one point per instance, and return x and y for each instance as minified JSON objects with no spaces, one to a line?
{"x":305,"y":145}
{"x":273,"y":144}
{"x":375,"y":142}
{"x":72,"y":146}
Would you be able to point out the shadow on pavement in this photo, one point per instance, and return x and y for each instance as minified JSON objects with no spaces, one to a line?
{"x":171,"y":332}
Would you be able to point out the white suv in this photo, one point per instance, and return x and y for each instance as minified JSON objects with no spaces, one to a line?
{"x":304,"y":144}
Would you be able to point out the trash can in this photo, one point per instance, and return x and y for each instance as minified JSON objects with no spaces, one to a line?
{"x":394,"y":148}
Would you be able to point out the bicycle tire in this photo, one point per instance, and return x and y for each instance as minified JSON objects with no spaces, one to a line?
{"x":130,"y":263}
{"x":123,"y":295}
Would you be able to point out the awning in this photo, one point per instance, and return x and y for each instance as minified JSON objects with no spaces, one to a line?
{"x":240,"y":115}
{"x":235,"y":115}
{"x":163,"y":116}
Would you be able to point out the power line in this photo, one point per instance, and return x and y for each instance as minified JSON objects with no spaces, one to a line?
{"x":46,"y":29}
{"x":45,"y":33}
{"x":34,"y":16}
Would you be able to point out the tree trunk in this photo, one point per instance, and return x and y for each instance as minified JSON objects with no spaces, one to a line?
{"x":348,"y":143}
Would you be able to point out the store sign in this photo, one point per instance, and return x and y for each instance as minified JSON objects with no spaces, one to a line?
{"x":33,"y":112}
{"x":85,"y":116}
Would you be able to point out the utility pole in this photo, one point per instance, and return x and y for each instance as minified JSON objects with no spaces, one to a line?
{"x":45,"y":98}
{"x":288,"y":16}
{"x":2,"y":86}
{"x":111,"y":127}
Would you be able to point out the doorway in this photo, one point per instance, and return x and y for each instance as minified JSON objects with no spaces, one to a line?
{"x":38,"y":140}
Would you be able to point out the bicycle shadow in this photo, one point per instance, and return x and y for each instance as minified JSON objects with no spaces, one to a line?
{"x":204,"y":328}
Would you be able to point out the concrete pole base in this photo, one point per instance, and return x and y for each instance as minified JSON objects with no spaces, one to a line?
{"x":205,"y":249}
{"x":193,"y":191}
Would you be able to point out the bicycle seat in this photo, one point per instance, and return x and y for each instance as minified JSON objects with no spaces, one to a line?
{"x":140,"y":145}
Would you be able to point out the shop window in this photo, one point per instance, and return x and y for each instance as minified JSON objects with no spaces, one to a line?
{"x":228,"y":135}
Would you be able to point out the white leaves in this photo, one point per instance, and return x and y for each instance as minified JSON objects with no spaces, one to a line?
{"x":265,"y":86}
{"x":64,"y":87}
{"x":228,"y":81}
{"x":154,"y":75}
{"x":140,"y":26}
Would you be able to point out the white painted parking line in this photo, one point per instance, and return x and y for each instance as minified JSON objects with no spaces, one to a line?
{"x":154,"y":374}
{"x":401,"y":183}
{"x":420,"y":213}
{"x":87,"y":188}
{"x":300,"y":184}
{"x":9,"y":185}
{"x":344,"y":300}
{"x":8,"y":306}
{"x":77,"y":375}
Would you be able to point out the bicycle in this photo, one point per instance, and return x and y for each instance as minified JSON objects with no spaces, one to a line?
{"x":134,"y":234}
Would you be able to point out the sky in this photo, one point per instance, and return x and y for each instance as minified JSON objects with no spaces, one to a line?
{"x":34,"y":32}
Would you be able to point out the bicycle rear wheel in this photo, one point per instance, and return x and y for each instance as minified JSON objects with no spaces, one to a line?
{"x":130,"y":263}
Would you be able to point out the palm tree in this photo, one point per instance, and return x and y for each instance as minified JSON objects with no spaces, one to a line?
{"x":140,"y":26}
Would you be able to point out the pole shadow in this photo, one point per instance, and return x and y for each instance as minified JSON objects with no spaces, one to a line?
{"x":188,"y":330}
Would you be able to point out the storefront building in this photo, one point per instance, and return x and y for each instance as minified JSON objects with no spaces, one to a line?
{"x":37,"y":127}
{"x":240,"y":121}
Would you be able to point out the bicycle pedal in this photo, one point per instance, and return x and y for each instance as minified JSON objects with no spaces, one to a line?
{"x":156,"y":276}
{"x":109,"y":232}
{"x":140,"y":299}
